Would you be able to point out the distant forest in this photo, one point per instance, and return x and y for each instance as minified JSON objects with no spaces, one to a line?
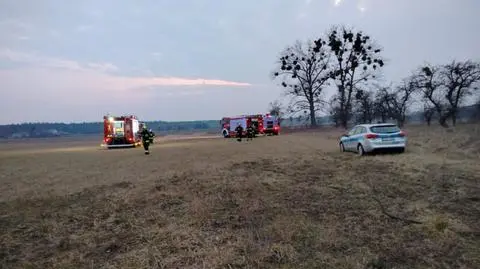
{"x":24,"y":130}
{"x":90,"y":128}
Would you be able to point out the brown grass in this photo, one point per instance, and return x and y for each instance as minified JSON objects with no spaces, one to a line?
{"x":291,"y":201}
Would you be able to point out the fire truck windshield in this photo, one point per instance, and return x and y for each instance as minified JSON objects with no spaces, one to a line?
{"x":118,"y":127}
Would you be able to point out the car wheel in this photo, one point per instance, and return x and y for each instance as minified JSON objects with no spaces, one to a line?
{"x":342,"y":147}
{"x":402,"y":150}
{"x":360,"y":150}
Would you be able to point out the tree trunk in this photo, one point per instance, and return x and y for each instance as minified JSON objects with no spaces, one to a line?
{"x":454,"y":118}
{"x":343,"y":119}
{"x":428,"y":117}
{"x":443,"y":120}
{"x":341,"y":113}
{"x":345,"y":116}
{"x":313,"y":120}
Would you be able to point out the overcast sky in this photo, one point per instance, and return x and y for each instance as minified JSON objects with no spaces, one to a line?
{"x":196,"y":59}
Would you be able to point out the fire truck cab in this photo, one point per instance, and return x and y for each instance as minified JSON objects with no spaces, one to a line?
{"x":228,"y":124}
{"x":271,"y":125}
{"x":121,"y":131}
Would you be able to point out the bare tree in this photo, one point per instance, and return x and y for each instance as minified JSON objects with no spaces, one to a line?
{"x":365,"y":106}
{"x":276,"y":109}
{"x":382,"y":109}
{"x":428,"y":78}
{"x":304,"y":70}
{"x":477,"y":111}
{"x":403,"y":100}
{"x":356,"y":59}
{"x":334,"y":110}
{"x":458,"y":79}
{"x":428,"y":112}
{"x":291,"y":119}
{"x":398,"y":101}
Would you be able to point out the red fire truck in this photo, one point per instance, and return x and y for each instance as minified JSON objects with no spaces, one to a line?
{"x":228,"y":124}
{"x":271,"y":125}
{"x":121,"y":131}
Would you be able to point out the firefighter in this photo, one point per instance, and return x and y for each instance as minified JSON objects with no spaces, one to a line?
{"x":145,"y":134}
{"x":250,"y":133}
{"x":239,"y":131}
{"x":152,"y":135}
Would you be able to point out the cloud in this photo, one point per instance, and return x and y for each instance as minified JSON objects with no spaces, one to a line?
{"x":302,"y":15}
{"x":103,"y":67}
{"x":84,"y":28}
{"x":362,"y":5}
{"x":13,"y":31}
{"x":51,"y":86}
{"x":337,"y":2}
{"x":41,"y":61}
{"x":15,"y":24}
{"x":102,"y":72}
{"x":95,"y":13}
{"x":54,"y":33}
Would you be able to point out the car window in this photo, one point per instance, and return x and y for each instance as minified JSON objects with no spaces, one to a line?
{"x":352,"y":132}
{"x":385,"y":129}
{"x":361,"y":130}
{"x":358,"y":130}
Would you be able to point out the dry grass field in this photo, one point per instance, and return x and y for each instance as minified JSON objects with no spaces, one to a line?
{"x":292,"y":201}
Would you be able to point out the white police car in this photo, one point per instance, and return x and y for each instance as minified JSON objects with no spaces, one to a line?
{"x":366,"y":138}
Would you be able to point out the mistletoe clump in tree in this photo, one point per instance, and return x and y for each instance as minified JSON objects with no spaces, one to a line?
{"x":304,"y":71}
{"x":355,"y":59}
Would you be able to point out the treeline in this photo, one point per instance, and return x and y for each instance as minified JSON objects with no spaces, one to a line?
{"x":351,"y":62}
{"x":86,"y":128}
{"x":161,"y":127}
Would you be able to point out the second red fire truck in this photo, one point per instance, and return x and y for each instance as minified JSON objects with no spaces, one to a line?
{"x":271,"y":125}
{"x":262,"y":124}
